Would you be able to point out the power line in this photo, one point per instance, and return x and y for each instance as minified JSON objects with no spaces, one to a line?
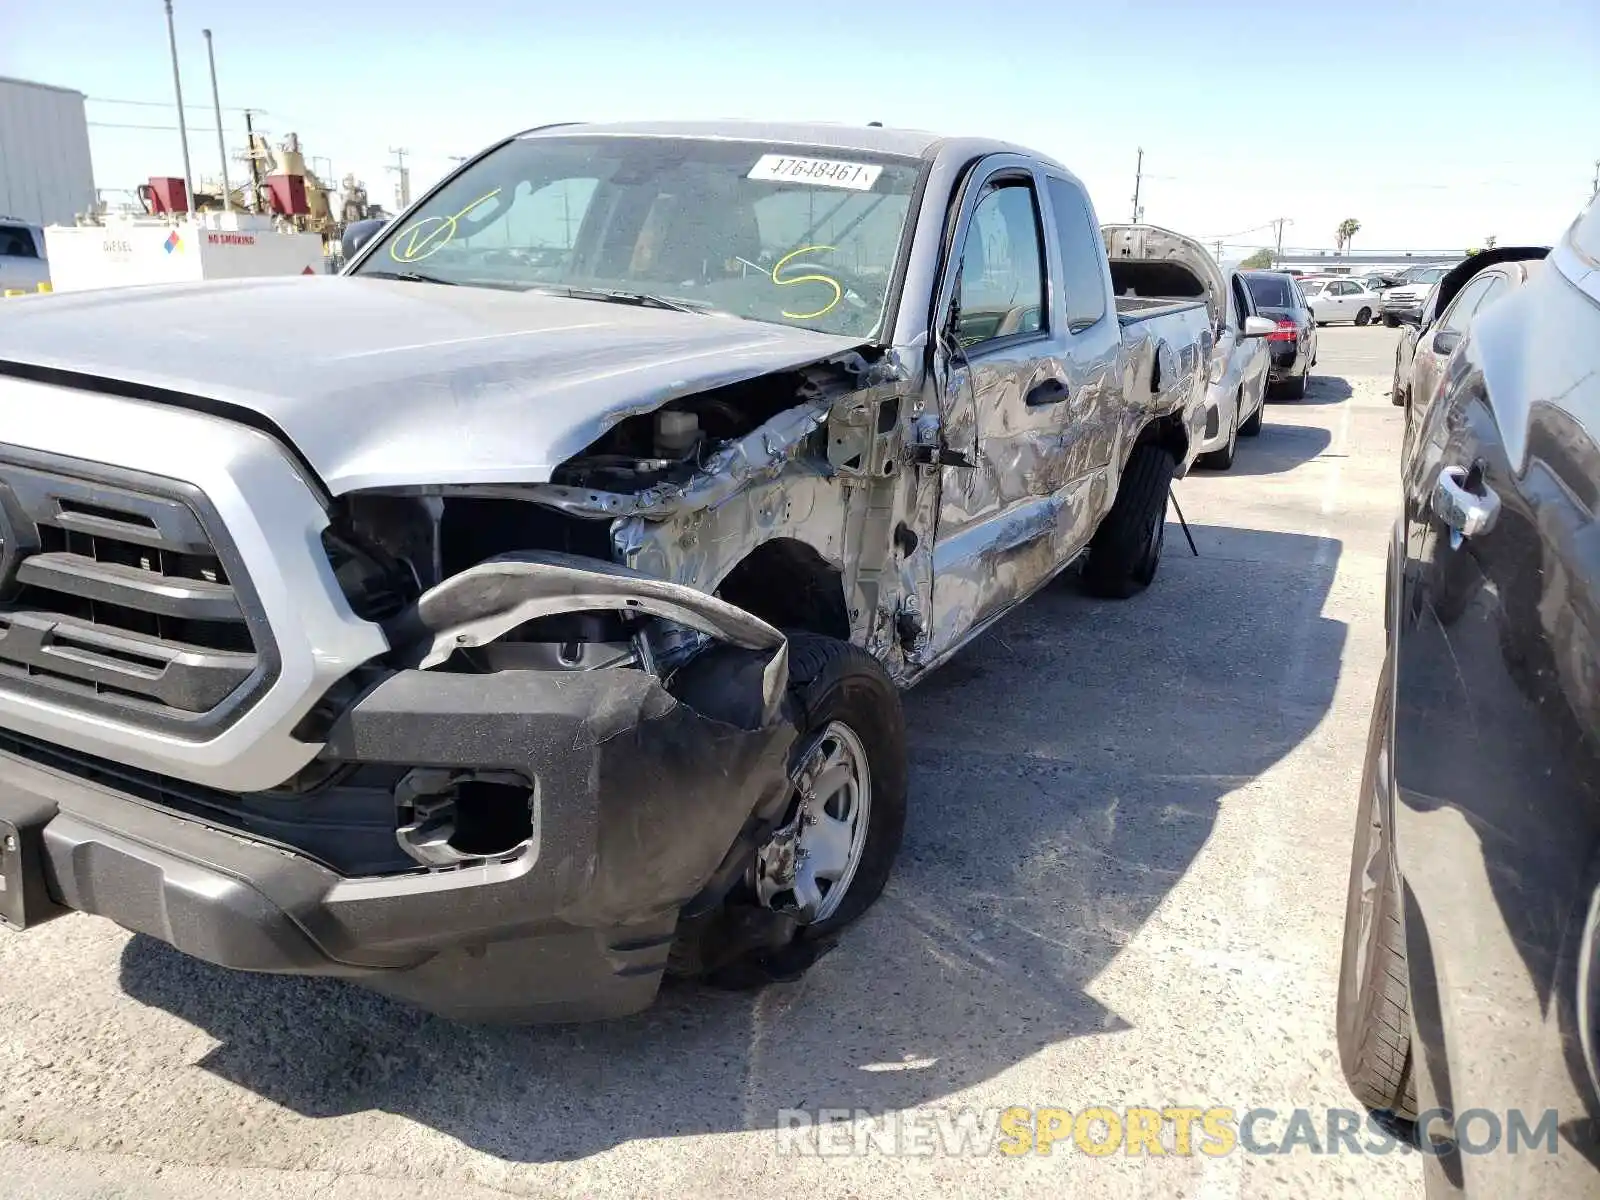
{"x":1239,"y":232}
{"x":162,"y":104}
{"x":166,"y":128}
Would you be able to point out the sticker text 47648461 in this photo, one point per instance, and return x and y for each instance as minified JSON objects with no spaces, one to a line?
{"x":824,"y":172}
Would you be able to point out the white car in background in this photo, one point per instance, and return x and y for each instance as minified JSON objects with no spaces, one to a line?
{"x":1340,"y":300}
{"x":23,"y":267}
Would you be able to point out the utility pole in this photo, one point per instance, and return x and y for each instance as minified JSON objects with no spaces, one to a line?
{"x":1219,"y":251}
{"x":1138,"y":178}
{"x":402,"y":186}
{"x":216,"y":103}
{"x":1279,"y":223}
{"x":255,"y":163}
{"x":1596,"y":191}
{"x":177,"y":86}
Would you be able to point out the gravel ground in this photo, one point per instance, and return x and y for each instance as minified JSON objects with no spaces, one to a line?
{"x":1122,"y":886}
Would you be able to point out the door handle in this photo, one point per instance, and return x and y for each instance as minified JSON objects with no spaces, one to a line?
{"x":1047,"y":391}
{"x":1465,"y":511}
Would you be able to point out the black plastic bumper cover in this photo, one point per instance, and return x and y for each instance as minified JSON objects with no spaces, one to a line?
{"x":638,"y":800}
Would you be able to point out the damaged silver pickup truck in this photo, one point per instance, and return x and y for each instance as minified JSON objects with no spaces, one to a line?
{"x":520,"y":615}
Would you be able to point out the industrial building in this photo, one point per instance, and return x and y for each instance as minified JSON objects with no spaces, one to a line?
{"x":46,"y":176}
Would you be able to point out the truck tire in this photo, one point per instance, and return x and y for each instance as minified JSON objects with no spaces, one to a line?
{"x":1126,"y":550}
{"x":1374,"y":1017}
{"x":847,"y":711}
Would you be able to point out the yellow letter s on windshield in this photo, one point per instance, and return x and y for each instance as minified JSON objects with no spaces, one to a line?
{"x":838,"y":292}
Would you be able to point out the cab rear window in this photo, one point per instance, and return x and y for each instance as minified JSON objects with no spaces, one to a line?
{"x":16,"y":242}
{"x":1271,"y":291}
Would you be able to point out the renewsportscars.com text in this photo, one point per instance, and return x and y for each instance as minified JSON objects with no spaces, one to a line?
{"x":1180,"y":1130}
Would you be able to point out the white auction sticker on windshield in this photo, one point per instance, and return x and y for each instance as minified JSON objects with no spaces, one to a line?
{"x":825,"y":172}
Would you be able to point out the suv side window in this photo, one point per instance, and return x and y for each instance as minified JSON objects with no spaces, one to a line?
{"x":1497,"y":288}
{"x":1083,"y":254}
{"x":17,"y":242}
{"x":1465,"y":304}
{"x":1002,"y":268}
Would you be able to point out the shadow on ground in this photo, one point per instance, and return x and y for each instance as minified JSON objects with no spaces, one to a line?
{"x":1277,"y":449}
{"x":1322,"y":389}
{"x":1067,"y":769}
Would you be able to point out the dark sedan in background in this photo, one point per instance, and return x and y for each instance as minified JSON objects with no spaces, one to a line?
{"x":1469,"y":994}
{"x":1294,"y":346}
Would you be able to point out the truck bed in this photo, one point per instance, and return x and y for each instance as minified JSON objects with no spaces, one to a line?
{"x":1133,"y":309}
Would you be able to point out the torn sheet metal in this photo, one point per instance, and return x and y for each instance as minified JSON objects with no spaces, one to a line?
{"x":489,"y":600}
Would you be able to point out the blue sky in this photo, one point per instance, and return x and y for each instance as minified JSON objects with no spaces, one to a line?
{"x":1432,"y":124}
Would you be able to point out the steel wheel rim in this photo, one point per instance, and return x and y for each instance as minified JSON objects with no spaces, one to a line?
{"x":807,"y":866}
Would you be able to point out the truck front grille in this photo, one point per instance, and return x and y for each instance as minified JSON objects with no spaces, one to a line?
{"x":116,"y":594}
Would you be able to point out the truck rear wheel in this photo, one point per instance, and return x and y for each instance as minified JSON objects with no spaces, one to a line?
{"x":1126,"y":549}
{"x":836,"y":841}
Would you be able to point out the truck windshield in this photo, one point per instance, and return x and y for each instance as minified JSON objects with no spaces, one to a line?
{"x":798,"y":236}
{"x":1423,"y":274}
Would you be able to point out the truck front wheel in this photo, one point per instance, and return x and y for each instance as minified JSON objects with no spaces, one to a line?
{"x":1126,"y":549}
{"x":835,"y":843}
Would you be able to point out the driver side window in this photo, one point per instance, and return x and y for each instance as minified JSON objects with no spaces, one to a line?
{"x":1465,"y":305}
{"x":1001,"y":290}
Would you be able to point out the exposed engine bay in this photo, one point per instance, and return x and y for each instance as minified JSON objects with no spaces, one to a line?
{"x":389,"y":550}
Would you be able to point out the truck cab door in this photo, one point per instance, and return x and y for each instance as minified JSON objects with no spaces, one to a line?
{"x":1014,"y":393}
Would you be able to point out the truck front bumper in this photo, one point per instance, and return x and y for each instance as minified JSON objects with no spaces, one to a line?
{"x":638,"y":803}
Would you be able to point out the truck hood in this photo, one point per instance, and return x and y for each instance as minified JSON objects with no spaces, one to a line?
{"x":381,"y":383}
{"x":1151,"y":259}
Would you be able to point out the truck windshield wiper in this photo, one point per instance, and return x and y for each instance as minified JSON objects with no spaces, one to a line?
{"x":408,"y":276}
{"x":618,"y":296}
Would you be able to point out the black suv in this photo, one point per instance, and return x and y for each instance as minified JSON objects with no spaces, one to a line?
{"x":1469,"y":993}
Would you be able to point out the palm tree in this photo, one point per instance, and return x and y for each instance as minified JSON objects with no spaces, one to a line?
{"x":1348,"y":228}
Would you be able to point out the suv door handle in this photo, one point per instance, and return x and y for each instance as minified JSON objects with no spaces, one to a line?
{"x":1047,"y":391}
{"x":1466,"y":513}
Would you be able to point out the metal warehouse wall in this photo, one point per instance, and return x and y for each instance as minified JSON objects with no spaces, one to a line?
{"x":45,"y":173}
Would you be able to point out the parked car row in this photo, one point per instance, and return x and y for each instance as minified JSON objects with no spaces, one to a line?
{"x":1470,"y":978}
{"x":1365,"y":299}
